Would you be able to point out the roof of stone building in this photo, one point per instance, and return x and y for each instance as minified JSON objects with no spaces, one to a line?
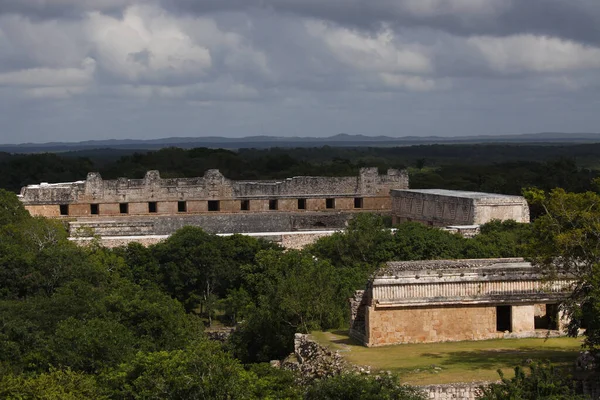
{"x":395,"y":267}
{"x":457,"y":193}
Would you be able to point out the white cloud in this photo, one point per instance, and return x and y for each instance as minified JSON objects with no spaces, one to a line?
{"x":146,"y":44}
{"x":337,"y":65}
{"x":379,"y":53}
{"x":535,"y":53}
{"x":29,"y":43}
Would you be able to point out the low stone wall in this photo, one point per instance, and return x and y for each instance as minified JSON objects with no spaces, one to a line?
{"x":453,"y":391}
{"x":117,"y":241}
{"x":299,"y":240}
{"x":214,"y":223}
{"x":289,"y":240}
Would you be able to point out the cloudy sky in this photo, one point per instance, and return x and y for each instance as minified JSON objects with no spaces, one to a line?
{"x":74,"y":70}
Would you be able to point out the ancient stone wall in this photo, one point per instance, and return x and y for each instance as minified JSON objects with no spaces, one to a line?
{"x":358,"y":307}
{"x":451,"y":300}
{"x":213,"y":223}
{"x":289,"y":240}
{"x":211,"y":193}
{"x":454,"y":391}
{"x":430,"y":324}
{"x":447,"y":207}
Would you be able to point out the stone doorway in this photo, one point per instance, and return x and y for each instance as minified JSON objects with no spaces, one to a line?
{"x":504,"y":318}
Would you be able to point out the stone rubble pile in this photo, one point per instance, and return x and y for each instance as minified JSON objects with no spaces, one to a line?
{"x":314,"y":361}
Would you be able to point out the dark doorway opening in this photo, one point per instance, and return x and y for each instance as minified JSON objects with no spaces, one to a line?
{"x":547,"y":318}
{"x":124,"y":208}
{"x":330,"y":203}
{"x":64,"y":209}
{"x":152,"y":207}
{"x":301,"y":204}
{"x":358,"y":202}
{"x":272,"y":204}
{"x":94,"y":210}
{"x":213,"y":205}
{"x":245,"y":205}
{"x":181,"y":206}
{"x":503,"y":318}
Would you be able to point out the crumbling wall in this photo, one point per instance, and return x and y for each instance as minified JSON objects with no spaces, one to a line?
{"x":454,"y":391}
{"x":314,"y":361}
{"x":213,"y":185}
{"x":358,"y":304}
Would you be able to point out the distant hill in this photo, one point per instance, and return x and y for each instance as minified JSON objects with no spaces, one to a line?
{"x":276,"y":141}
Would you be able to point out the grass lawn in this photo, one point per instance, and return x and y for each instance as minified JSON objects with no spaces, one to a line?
{"x":448,"y":362}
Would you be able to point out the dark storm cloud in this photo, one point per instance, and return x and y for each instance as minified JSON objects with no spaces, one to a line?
{"x":577,"y":20}
{"x":76,"y":69}
{"x":70,"y":9}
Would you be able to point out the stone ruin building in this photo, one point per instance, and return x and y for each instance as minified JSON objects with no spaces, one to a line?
{"x":294,"y":211}
{"x":453,"y":300}
{"x":153,"y":207}
{"x":447,"y":208}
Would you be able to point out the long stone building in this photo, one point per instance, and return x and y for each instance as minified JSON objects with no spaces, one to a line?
{"x":452,"y":300}
{"x":440,"y":207}
{"x":156,"y":206}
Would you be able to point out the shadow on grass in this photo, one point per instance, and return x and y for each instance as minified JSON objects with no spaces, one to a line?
{"x":345,"y":339}
{"x":507,"y":358}
{"x":432,"y":355}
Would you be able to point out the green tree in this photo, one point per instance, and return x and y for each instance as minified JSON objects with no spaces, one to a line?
{"x":53,"y":385}
{"x":11,"y":209}
{"x":200,"y":371}
{"x":361,"y":387}
{"x":289,"y":292}
{"x":542,"y":382}
{"x":270,"y":383}
{"x":197,"y":268}
{"x":566,"y":239}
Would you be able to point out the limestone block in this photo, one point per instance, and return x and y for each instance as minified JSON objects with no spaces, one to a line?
{"x":167,"y":207}
{"x":49,"y":211}
{"x":109,"y":209}
{"x":377,"y":203}
{"x":523,"y":318}
{"x":195,"y":206}
{"x":345,"y":203}
{"x":79,"y":210}
{"x":138,"y":208}
{"x":315,"y":204}
{"x":288,"y":205}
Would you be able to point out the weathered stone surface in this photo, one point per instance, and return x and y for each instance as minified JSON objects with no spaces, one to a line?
{"x":156,"y":206}
{"x":212,"y":186}
{"x":454,"y":391}
{"x":214,"y":223}
{"x":438,"y":207}
{"x":314,"y":361}
{"x":450,"y":300}
{"x":289,"y":240}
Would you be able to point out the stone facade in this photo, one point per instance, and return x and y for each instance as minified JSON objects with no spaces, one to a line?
{"x":437,"y":207}
{"x":452,"y":300}
{"x":156,"y":206}
{"x":289,"y":240}
{"x":454,"y":391}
